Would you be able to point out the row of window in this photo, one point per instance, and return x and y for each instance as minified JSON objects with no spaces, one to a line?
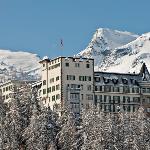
{"x":78,"y":87}
{"x":51,"y":80}
{"x":4,"y":97}
{"x":81,"y":78}
{"x":54,"y":66}
{"x":115,"y":108}
{"x":84,"y":78}
{"x":109,"y":88}
{"x":116,"y":99}
{"x":145,"y":90}
{"x":52,"y":62}
{"x":53,"y":98}
{"x":52,"y":89}
{"x":8,"y":88}
{"x":77,"y":65}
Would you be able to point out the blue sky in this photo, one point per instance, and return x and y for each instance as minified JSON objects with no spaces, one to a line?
{"x":38,"y":25}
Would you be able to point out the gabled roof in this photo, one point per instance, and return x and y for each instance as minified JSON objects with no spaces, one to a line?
{"x":145,"y":73}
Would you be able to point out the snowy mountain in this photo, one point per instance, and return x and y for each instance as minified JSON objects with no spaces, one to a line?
{"x":18,"y":65}
{"x":129,"y":58}
{"x":104,"y":42}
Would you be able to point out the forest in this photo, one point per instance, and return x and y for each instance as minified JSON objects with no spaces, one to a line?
{"x":26,"y":125}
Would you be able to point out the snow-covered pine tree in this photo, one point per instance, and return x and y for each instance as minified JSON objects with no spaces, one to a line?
{"x":97,"y":127}
{"x":68,"y":137}
{"x":13,"y":124}
{"x":41,"y":132}
{"x":3,"y":109}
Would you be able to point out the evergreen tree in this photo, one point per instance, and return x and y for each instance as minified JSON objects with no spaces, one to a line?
{"x":67,"y":138}
{"x":41,"y":132}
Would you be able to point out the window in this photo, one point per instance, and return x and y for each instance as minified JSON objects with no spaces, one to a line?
{"x":75,"y":86}
{"x":49,"y":90}
{"x":6,"y":88}
{"x":77,"y":65}
{"x":89,"y":78}
{"x":87,"y":65}
{"x":107,"y":88}
{"x":116,"y":89}
{"x":89,"y":87}
{"x":70,"y":77}
{"x":148,"y":90}
{"x":135,"y":90}
{"x":126,"y":89}
{"x":44,"y":82}
{"x":43,"y":65}
{"x":57,"y":87}
{"x":53,"y":88}
{"x":107,"y":108}
{"x":7,"y":96}
{"x":126,"y":99}
{"x":57,"y":96}
{"x":144,"y":90}
{"x":89,"y":96}
{"x":54,"y":66}
{"x":81,"y":78}
{"x":98,"y":98}
{"x":84,"y":78}
{"x":3,"y":97}
{"x":116,"y":99}
{"x":57,"y":78}
{"x":67,"y":64}
{"x":51,"y":80}
{"x":107,"y":98}
{"x":74,"y":96}
{"x":44,"y":91}
{"x":53,"y":98}
{"x":3,"y":89}
{"x":136,"y":99}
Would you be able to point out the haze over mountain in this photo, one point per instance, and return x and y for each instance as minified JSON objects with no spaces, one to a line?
{"x":18,"y":65}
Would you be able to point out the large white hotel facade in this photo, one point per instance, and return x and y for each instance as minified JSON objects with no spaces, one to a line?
{"x":72,"y":81}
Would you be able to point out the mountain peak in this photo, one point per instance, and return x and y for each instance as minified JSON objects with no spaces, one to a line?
{"x":104,"y":41}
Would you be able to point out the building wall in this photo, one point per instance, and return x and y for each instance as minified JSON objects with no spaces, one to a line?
{"x":8,"y":88}
{"x":121,"y":92}
{"x":77,"y":82}
{"x":67,"y":80}
{"x":145,"y":95}
{"x":79,"y":86}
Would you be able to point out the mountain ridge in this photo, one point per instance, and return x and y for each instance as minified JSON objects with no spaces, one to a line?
{"x":117,"y":58}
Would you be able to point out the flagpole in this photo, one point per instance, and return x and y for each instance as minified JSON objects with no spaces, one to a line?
{"x":61,"y":47}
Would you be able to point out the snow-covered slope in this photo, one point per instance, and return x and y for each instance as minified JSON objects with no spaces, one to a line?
{"x":104,"y":42}
{"x":22,"y":65}
{"x":129,"y":58}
